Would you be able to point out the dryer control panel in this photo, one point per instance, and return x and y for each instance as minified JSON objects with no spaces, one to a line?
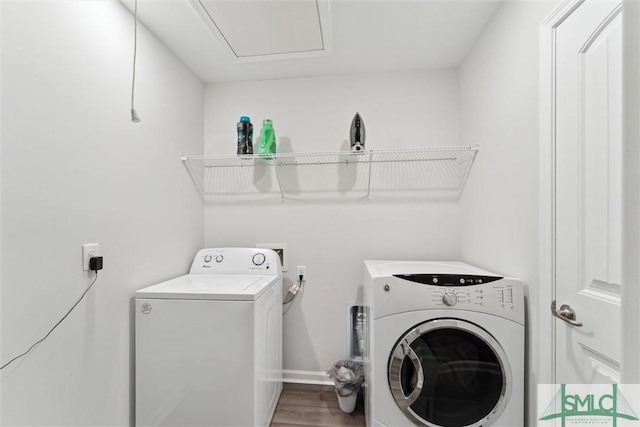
{"x":487,"y":294}
{"x":448,"y":279}
{"x":501,"y":296}
{"x":461,"y":289}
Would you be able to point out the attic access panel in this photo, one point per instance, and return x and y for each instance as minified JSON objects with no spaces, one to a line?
{"x":255,"y":29}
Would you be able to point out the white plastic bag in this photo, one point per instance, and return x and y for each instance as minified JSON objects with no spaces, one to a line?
{"x":347,"y":377}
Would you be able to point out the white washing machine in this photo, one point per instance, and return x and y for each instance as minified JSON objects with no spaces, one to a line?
{"x":208,"y":346}
{"x":445,"y":346}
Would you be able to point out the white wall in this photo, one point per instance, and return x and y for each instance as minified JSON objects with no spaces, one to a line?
{"x":499,"y":90}
{"x":75,"y":170}
{"x":1,"y":137}
{"x":631,"y":197}
{"x":411,"y":109}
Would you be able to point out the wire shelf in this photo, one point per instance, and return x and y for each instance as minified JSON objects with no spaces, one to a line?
{"x":413,"y":172}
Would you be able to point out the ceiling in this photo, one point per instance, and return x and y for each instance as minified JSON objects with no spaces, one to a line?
{"x":238,"y":40}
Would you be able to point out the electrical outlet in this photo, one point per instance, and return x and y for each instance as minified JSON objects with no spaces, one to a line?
{"x":301,"y":270}
{"x":89,"y":250}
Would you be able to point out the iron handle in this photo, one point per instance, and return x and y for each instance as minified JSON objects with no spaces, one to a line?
{"x":565,"y":313}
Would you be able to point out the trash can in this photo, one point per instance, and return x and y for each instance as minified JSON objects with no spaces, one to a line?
{"x":347,"y":378}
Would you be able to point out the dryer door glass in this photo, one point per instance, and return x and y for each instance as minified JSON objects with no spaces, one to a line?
{"x":449,"y":373}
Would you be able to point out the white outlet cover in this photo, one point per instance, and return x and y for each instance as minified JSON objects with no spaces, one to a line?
{"x":301,"y":270}
{"x":89,"y":250}
{"x":280,"y":248}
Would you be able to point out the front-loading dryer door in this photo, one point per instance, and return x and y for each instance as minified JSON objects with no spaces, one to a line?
{"x":449,"y":373}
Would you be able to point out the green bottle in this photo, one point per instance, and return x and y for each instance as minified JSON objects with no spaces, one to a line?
{"x":267,"y":139}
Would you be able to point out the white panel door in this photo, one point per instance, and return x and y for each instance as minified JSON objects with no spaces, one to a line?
{"x":588,"y":177}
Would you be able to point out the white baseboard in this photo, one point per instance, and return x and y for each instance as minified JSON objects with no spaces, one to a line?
{"x":306,"y":377}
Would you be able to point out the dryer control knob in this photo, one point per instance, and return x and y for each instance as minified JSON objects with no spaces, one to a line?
{"x":449,"y":298}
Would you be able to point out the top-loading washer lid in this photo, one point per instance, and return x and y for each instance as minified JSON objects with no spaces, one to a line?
{"x":209,"y":287}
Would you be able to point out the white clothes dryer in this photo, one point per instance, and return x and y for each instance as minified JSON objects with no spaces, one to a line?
{"x":208,"y":345}
{"x":445,"y":346}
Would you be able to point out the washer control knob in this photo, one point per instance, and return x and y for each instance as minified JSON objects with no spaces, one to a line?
{"x":207,"y":258}
{"x":219,"y":258}
{"x":450,"y":298}
{"x":259,"y":259}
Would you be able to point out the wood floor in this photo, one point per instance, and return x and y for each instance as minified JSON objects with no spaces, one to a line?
{"x":313,"y":405}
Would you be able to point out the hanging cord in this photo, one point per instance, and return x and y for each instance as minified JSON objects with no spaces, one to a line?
{"x":292,"y":293}
{"x":54,"y":327}
{"x":134,"y":116}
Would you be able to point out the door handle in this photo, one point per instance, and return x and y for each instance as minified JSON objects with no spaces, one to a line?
{"x":402,"y":351}
{"x":565,"y":313}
